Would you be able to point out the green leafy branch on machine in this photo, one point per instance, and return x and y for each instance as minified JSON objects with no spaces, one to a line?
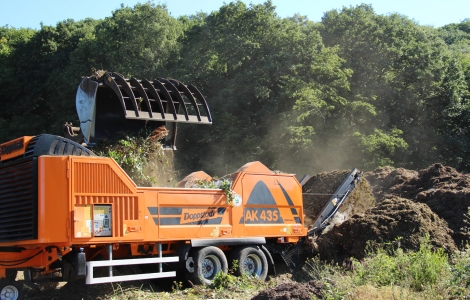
{"x":108,"y":103}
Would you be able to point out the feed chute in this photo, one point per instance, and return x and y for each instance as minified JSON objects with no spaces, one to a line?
{"x":108,"y":103}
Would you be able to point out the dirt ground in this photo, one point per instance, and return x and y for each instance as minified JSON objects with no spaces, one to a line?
{"x":293,"y":290}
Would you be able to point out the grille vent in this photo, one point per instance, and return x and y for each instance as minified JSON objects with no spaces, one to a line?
{"x":18,"y":202}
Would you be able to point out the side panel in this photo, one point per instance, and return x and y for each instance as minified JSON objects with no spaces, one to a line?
{"x":150,"y":212}
{"x":53,"y":202}
{"x":272,"y":205}
{"x":192,"y":213}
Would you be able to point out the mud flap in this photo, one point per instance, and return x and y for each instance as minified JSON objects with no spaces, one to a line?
{"x":81,"y":265}
{"x":294,"y":255}
{"x":272,"y":267}
{"x":76,"y":268}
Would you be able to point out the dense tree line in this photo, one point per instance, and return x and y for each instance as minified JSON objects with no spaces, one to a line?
{"x":356,"y":89}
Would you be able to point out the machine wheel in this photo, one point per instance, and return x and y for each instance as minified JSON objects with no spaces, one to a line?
{"x":251,"y":261}
{"x":10,"y":290}
{"x":207,"y":263}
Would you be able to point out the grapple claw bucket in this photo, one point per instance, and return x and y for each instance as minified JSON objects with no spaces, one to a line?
{"x":110,"y":103}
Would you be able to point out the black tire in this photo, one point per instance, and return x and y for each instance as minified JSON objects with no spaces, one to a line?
{"x":207,"y":263}
{"x":10,"y":290}
{"x":250,"y":261}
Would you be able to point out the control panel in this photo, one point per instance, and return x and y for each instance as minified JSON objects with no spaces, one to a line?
{"x":102,"y":220}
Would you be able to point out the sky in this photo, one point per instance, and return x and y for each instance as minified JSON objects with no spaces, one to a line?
{"x":30,"y":13}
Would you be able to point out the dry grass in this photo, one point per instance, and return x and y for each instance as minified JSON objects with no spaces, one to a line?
{"x":381,"y":293}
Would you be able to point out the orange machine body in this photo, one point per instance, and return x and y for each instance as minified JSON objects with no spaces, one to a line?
{"x":90,"y":201}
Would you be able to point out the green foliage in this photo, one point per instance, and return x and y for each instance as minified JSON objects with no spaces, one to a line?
{"x":416,"y":269}
{"x":456,"y":33}
{"x":459,"y":283}
{"x":223,"y":281}
{"x":144,"y":36}
{"x":407,"y":74}
{"x":224,"y":184}
{"x":392,"y":273}
{"x":378,"y":148}
{"x":254,"y":66}
{"x":41,"y":69}
{"x":37,"y":93}
{"x":10,"y":38}
{"x":228,"y":281}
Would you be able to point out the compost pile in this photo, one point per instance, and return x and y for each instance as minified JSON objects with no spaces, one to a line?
{"x":390,"y":220}
{"x":444,"y":190}
{"x":293,"y":290}
{"x":405,"y":206}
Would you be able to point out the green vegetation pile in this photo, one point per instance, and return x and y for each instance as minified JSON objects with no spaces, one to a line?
{"x":143,"y":158}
